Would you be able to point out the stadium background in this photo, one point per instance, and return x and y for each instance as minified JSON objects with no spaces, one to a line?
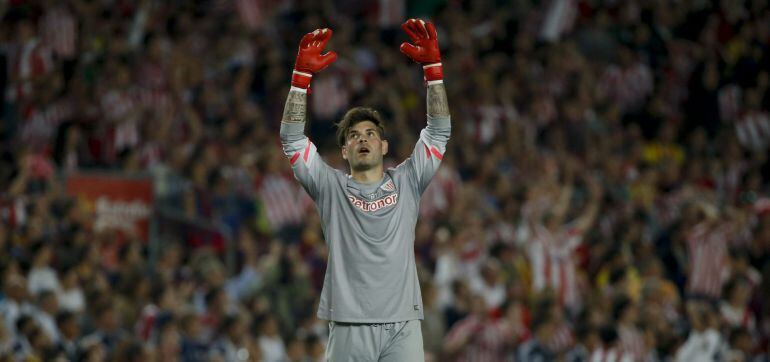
{"x":148,"y":213}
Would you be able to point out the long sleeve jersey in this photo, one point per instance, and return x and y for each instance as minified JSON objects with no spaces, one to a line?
{"x":369,"y":229}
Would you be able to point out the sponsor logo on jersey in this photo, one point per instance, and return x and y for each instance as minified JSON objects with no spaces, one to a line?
{"x":388,"y":186}
{"x":372,"y":206}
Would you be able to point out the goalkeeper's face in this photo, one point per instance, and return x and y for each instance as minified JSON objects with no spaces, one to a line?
{"x":364,"y":146}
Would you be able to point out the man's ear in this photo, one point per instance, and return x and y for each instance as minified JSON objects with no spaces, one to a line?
{"x":344,"y":150}
{"x":384,"y":147}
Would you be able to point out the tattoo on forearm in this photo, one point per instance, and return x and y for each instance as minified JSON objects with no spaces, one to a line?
{"x":295,"y":108}
{"x":437,"y":102}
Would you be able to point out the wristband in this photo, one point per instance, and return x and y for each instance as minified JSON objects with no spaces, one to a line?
{"x":301,"y":79}
{"x":433,"y":72}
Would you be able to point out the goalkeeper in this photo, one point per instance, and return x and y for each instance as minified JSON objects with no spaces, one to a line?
{"x":371,"y":295}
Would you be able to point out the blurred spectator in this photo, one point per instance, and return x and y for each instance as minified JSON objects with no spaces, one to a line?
{"x":270,"y":344}
{"x":610,"y":349}
{"x":587,"y":340}
{"x":67,"y":325}
{"x":41,"y":275}
{"x":107,"y":328}
{"x":625,"y":312}
{"x":478,"y":337}
{"x":193,"y":345}
{"x":735,"y":309}
{"x":536,"y":348}
{"x":704,"y":341}
{"x":232,"y":343}
{"x":71,"y":297}
{"x":169,"y":343}
{"x":45,"y":313}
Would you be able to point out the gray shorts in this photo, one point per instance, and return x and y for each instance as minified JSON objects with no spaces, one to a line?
{"x":375,"y":342}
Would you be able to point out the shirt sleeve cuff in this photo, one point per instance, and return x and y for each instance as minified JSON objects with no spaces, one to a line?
{"x":439,"y":122}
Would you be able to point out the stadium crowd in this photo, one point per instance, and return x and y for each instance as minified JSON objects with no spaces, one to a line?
{"x":604,"y":195}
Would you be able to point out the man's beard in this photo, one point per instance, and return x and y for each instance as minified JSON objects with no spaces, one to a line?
{"x":364,"y":166}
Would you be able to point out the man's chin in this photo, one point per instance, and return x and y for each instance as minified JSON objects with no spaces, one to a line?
{"x":363,"y":166}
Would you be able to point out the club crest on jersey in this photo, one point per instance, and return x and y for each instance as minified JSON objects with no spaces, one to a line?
{"x":388,"y":186}
{"x":372,"y":206}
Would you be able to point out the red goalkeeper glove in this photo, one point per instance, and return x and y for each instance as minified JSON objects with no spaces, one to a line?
{"x":309,"y":57}
{"x":425,"y":48}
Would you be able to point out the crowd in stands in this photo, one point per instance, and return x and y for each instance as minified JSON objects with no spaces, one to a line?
{"x":605,"y":194}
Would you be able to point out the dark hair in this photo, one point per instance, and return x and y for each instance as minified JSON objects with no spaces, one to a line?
{"x":64,"y":317}
{"x":102,"y":308}
{"x":357,"y":115}
{"x":736,"y":333}
{"x":540,"y":319}
{"x":608,"y":335}
{"x":212,"y":295}
{"x":619,"y":306}
{"x":227,"y":322}
{"x":583,"y":331}
{"x":733,"y":283}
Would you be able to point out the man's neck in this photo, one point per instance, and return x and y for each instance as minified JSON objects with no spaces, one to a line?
{"x":367,"y":176}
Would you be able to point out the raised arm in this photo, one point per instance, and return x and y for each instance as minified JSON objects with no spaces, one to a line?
{"x":296,"y":146}
{"x":424,"y":50}
{"x":430,"y":149}
{"x":309,"y":61}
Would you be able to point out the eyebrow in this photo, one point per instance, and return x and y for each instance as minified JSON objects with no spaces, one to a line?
{"x":366,"y":130}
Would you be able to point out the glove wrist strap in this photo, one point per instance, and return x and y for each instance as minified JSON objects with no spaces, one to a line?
{"x":434,"y":73}
{"x":301,"y":79}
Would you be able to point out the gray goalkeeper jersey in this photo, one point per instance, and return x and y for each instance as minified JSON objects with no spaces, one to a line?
{"x":369,"y":228}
